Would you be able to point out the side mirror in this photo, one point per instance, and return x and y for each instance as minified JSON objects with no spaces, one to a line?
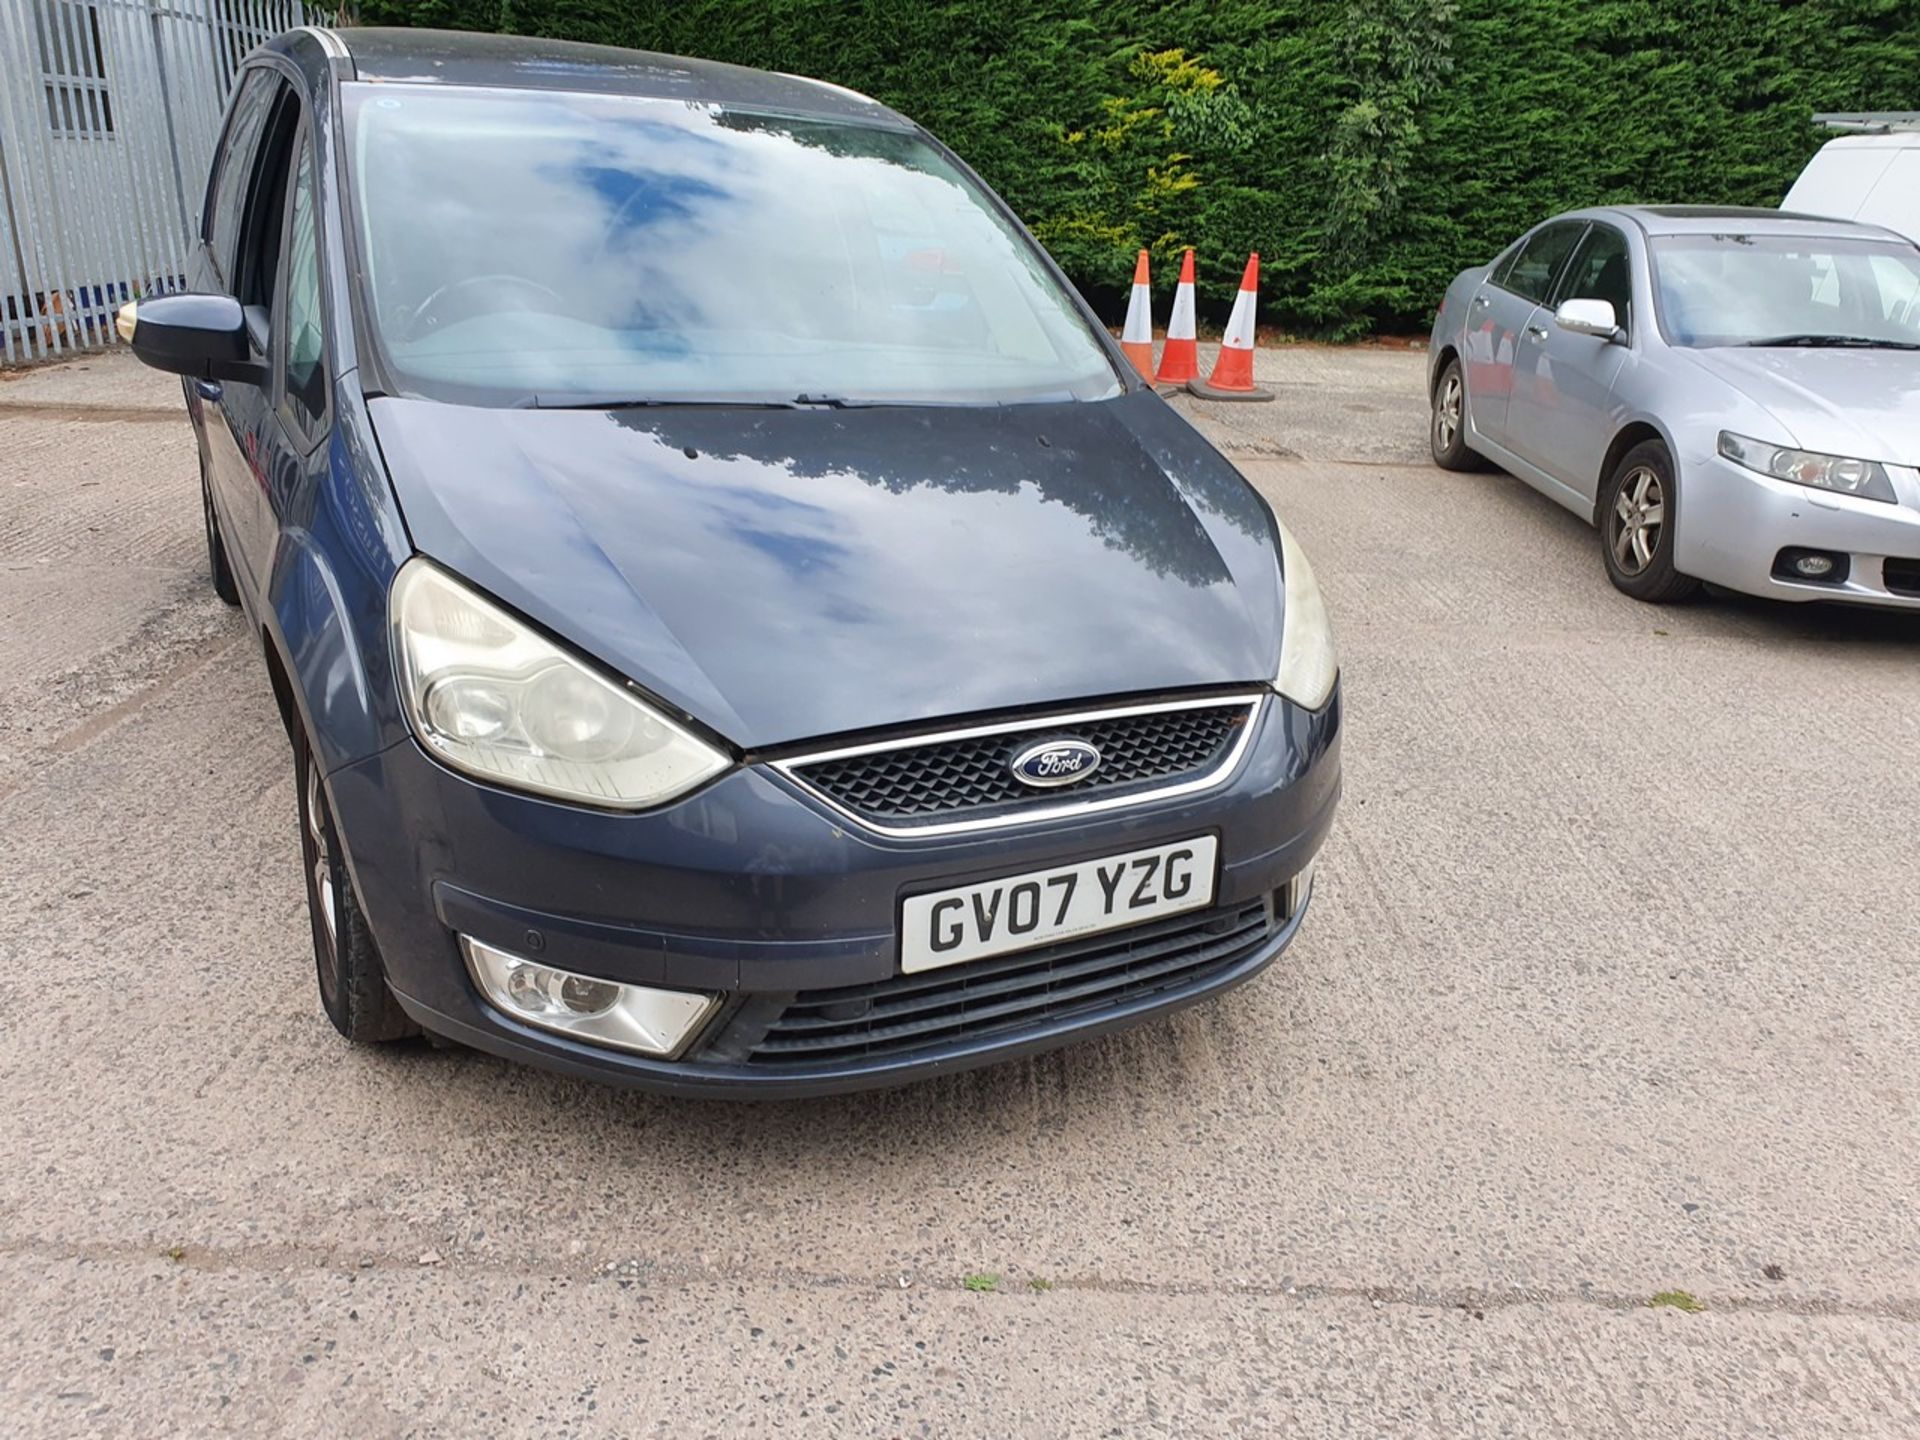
{"x":1588,"y":317}
{"x":204,"y":336}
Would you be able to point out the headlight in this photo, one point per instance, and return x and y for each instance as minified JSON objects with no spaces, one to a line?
{"x":1308,"y":663}
{"x":491,"y":696}
{"x":1866,"y":478}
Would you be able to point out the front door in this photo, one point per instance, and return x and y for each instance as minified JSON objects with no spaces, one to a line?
{"x":228,"y":412}
{"x":1559,"y":414}
{"x":246,"y":226}
{"x":294,"y":434}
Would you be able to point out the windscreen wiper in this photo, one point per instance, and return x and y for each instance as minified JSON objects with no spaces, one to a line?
{"x":1833,"y":342}
{"x":918,"y":402}
{"x":650,"y":402}
{"x":850,"y":402}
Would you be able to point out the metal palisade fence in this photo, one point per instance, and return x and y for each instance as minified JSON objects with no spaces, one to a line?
{"x":109,"y":110}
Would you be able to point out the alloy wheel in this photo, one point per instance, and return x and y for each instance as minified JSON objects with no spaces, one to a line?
{"x":1446,"y":413}
{"x":206,"y":516}
{"x":1639,"y":516}
{"x":320,"y":862}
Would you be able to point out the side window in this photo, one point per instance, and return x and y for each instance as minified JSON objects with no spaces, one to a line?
{"x":1602,"y":270}
{"x":227,"y":195}
{"x":1503,"y":266}
{"x":302,"y":333}
{"x":257,"y":258}
{"x":1535,"y":265}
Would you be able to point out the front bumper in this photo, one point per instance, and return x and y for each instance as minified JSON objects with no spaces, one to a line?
{"x":753,"y":889}
{"x":1733,"y":523}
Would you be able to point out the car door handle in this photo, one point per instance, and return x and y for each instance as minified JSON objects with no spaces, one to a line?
{"x":1480,"y":302}
{"x":1538,"y":332}
{"x":208,"y":389}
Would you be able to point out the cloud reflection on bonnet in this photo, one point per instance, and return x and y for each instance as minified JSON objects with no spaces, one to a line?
{"x":942,"y":558}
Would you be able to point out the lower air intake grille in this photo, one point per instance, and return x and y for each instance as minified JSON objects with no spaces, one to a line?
{"x":1010,"y":992}
{"x":1903,"y":576}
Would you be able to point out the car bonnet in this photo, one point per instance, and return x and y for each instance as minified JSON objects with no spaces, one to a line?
{"x":787,"y":574}
{"x":1857,"y":402}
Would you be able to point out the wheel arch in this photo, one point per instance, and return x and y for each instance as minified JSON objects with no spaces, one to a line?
{"x":277,"y":677}
{"x":324,"y":620}
{"x":1446,"y":353}
{"x":1634,"y":432}
{"x":328,"y":656}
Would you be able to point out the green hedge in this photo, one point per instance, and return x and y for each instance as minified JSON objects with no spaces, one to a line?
{"x":1367,"y":150}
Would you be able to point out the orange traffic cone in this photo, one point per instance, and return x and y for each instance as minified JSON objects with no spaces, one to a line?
{"x":1136,"y":338}
{"x":1180,"y":356}
{"x":1232,"y":377}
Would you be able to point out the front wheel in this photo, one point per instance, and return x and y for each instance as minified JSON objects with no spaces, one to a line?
{"x":1638,"y":507}
{"x":353,"y":982}
{"x":1447,"y":432}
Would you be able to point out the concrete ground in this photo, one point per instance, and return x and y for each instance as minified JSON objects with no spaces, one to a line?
{"x":1609,"y":991}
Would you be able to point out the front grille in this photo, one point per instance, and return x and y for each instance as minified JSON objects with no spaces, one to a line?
{"x":1903,"y":576}
{"x":908,"y":1013}
{"x":971,"y":774}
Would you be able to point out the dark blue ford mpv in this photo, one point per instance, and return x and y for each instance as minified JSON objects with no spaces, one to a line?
{"x":742,"y":626}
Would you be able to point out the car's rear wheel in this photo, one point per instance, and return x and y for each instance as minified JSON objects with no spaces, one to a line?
{"x":353,"y":982}
{"x":218,"y":570}
{"x":1638,"y":508}
{"x":1448,"y":428}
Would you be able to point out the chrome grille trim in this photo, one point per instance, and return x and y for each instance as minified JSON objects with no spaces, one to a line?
{"x":1039,"y":812}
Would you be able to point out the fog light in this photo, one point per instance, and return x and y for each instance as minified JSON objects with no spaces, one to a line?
{"x":601,"y":1012}
{"x":1822,"y":567}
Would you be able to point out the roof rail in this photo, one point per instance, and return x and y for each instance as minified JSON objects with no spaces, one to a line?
{"x":1871,"y":122}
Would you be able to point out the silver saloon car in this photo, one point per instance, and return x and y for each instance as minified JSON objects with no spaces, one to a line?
{"x":1730,"y":396}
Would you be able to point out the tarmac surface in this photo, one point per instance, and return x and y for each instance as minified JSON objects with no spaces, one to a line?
{"x":1608,"y":992}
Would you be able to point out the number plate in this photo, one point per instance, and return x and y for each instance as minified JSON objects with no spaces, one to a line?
{"x":1018,"y":912}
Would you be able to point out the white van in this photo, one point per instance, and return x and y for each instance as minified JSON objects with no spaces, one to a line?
{"x":1873,"y":177}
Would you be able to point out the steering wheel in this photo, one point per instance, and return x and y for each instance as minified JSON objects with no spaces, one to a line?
{"x":423,"y":318}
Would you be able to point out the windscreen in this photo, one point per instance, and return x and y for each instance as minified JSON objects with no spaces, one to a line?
{"x":1751,"y":289}
{"x":542,"y":247}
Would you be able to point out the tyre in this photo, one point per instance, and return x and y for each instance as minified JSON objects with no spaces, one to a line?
{"x":353,"y":982}
{"x":1638,"y":508}
{"x":218,"y":570}
{"x":1447,"y":431}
